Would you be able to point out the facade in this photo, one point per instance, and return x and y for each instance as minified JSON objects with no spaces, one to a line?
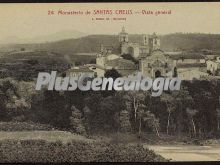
{"x":157,"y":64}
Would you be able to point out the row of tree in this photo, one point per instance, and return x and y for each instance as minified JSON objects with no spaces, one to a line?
{"x":192,"y":111}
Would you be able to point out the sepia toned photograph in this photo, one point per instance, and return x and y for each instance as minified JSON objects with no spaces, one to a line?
{"x":109,"y":82}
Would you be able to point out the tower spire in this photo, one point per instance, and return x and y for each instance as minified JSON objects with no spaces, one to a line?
{"x":123,"y":36}
{"x":123,"y":29}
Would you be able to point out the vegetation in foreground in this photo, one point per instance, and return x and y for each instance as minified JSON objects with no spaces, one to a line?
{"x":193,"y":112}
{"x":74,"y":151}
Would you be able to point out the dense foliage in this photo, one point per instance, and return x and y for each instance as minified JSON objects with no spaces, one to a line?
{"x":192,"y":111}
{"x":74,"y":151}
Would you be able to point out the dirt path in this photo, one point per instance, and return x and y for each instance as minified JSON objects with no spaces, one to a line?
{"x":187,"y":152}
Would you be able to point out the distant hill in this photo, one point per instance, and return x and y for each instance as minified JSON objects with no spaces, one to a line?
{"x":190,"y":41}
{"x":91,"y":43}
{"x":61,"y":35}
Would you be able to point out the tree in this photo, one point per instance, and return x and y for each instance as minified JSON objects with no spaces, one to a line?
{"x":170,"y":107}
{"x":151,"y":121}
{"x":113,"y":73}
{"x":141,"y":110}
{"x":139,"y":104}
{"x":17,"y":107}
{"x":17,"y":99}
{"x":205,"y":95}
{"x":182,"y":100}
{"x":218,"y":119}
{"x":53,"y":109}
{"x":109,"y":112}
{"x":125,"y":125}
{"x":191,"y":113}
{"x":136,"y":98}
{"x":87,"y":118}
{"x":148,"y":119}
{"x":76,"y":121}
{"x":129,"y":57}
{"x":175,"y":74}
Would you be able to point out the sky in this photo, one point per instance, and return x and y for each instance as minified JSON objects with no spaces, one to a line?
{"x":32,"y":20}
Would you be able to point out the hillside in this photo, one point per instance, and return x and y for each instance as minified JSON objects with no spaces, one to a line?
{"x":190,"y":41}
{"x":61,"y":35}
{"x":91,"y":43}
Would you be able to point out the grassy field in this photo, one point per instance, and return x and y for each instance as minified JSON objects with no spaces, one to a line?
{"x":50,"y":136}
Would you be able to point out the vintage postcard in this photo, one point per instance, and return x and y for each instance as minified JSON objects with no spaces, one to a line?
{"x":109,"y":82}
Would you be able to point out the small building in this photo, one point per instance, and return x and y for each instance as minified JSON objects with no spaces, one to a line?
{"x":123,"y":66}
{"x":99,"y":71}
{"x":213,"y":66}
{"x":190,"y":74}
{"x":78,"y":71}
{"x":187,"y":58}
{"x":101,"y":60}
{"x":192,"y":66}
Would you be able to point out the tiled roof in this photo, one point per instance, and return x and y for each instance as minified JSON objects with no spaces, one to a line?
{"x":126,"y":72}
{"x":121,"y":63}
{"x":182,"y":65}
{"x":85,"y":54}
{"x":108,"y":46}
{"x":96,"y":66}
{"x":186,"y":56}
{"x":80,"y":69}
{"x":190,"y":70}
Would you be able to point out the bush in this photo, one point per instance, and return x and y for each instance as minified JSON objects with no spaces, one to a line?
{"x":74,"y":151}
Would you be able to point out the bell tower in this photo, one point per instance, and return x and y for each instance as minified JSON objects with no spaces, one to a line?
{"x":153,"y":42}
{"x":145,"y":39}
{"x":123,"y":36}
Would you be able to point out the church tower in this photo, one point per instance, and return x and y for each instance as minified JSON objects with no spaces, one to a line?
{"x":154,"y":42}
{"x":145,"y":39}
{"x":123,"y":36}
